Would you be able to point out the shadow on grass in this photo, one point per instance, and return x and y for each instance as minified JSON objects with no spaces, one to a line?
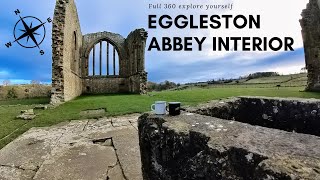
{"x":31,"y":101}
{"x":106,"y":94}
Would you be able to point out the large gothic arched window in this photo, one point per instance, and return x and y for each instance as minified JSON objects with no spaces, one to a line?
{"x":103,"y":60}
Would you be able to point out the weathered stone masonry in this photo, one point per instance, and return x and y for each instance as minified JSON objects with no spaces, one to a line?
{"x":310,"y":24}
{"x":70,"y":55}
{"x":257,"y":138}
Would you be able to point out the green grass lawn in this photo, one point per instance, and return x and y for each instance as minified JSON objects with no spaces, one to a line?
{"x":11,"y":128}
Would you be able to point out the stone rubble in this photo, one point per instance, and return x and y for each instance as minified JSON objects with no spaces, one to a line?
{"x":26,"y":115}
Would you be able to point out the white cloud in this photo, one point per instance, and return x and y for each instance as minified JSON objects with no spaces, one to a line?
{"x":288,"y":68}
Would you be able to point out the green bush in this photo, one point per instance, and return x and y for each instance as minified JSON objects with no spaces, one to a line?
{"x":12,"y":94}
{"x":162,"y":86}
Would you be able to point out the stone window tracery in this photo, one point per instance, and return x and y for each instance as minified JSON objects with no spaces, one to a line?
{"x":103,"y":60}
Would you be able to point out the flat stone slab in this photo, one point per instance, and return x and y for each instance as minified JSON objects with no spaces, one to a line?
{"x":197,"y":147}
{"x":91,"y":112}
{"x":9,"y":173}
{"x":81,"y":149}
{"x":31,"y":149}
{"x":78,"y":161}
{"x":128,"y":150}
{"x":115,"y":173}
{"x":26,"y":115}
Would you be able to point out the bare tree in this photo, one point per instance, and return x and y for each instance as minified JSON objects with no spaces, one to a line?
{"x":35,"y":82}
{"x":304,"y":70}
{"x":6,"y":82}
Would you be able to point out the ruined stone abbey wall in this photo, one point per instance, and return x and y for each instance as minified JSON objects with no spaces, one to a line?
{"x":66,"y":45}
{"x":135,"y":45}
{"x":101,"y":85}
{"x":310,"y":24}
{"x":71,"y":51}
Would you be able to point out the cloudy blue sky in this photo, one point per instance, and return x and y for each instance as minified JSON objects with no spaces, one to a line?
{"x":20,"y":65}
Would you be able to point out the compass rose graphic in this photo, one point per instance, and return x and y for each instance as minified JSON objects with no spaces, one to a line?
{"x":29,"y":32}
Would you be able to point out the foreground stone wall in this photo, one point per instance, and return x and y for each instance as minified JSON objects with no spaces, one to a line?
{"x":310,"y":24}
{"x":294,"y":114}
{"x":192,"y":146}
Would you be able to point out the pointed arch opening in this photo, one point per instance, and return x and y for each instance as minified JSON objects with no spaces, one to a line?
{"x":104,"y":60}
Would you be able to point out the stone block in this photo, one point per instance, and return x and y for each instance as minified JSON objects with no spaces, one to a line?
{"x":26,"y":115}
{"x":41,"y":107}
{"x":192,"y":146}
{"x":289,"y":114}
{"x":81,"y":161}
